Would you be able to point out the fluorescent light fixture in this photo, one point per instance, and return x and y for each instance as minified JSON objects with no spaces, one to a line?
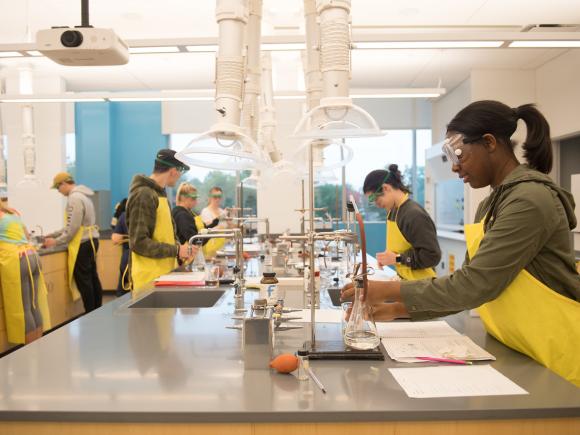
{"x":51,"y":100}
{"x":201,"y":48}
{"x":34,"y":53}
{"x":426,"y":44}
{"x":147,"y":50}
{"x":397,"y":95}
{"x":10,"y":54}
{"x":283,"y":46}
{"x":138,"y":99}
{"x":545,"y":44}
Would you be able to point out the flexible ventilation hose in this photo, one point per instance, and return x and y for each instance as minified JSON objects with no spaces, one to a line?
{"x":335,"y":47}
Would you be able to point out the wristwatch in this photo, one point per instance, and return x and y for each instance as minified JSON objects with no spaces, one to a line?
{"x":398,"y":258}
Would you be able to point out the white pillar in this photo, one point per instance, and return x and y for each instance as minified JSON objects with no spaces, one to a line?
{"x":39,"y":205}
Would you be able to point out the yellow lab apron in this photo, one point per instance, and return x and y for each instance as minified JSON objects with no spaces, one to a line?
{"x":145,"y":269}
{"x":213,"y":245}
{"x":12,"y":291}
{"x":397,"y":243}
{"x":533,"y":319}
{"x":73,"y":252}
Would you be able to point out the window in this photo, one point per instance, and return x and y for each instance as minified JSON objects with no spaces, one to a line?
{"x":406,"y":148}
{"x":204,"y":179}
{"x":70,"y":153}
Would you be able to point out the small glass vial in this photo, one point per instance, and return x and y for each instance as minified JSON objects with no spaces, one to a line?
{"x":303,"y":366}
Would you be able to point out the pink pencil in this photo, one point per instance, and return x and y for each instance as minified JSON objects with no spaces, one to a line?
{"x":445,"y":360}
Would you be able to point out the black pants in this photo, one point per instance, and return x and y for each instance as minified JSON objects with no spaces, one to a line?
{"x":86,"y":277}
{"x":122,"y":269}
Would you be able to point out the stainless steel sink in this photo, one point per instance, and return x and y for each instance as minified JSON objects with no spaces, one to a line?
{"x":179,"y":299}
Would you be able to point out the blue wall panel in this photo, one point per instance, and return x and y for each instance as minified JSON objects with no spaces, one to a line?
{"x":115,"y":141}
{"x":93,"y":145}
{"x":135,"y":139}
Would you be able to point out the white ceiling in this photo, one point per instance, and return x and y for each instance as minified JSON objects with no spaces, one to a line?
{"x":145,"y":19}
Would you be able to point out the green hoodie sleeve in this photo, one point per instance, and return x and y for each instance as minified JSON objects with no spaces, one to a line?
{"x":141,"y":216}
{"x":523,"y":223}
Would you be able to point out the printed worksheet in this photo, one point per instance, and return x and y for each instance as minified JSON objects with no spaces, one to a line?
{"x":407,"y":349}
{"x":438,"y":328}
{"x":454,"y":381}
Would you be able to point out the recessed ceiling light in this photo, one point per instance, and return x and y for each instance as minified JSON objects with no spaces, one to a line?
{"x":427,"y":44}
{"x":201,"y":48}
{"x":545,"y":44}
{"x":10,"y":54}
{"x":147,"y":50}
{"x":50,"y":100}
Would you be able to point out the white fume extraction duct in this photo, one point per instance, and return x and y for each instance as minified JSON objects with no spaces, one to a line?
{"x":225,"y":146}
{"x":268,"y":111}
{"x":336,"y":116}
{"x":28,"y":136}
{"x":314,"y":83}
{"x":251,"y":109}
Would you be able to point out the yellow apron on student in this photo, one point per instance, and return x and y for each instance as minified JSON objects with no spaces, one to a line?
{"x":12,"y":292}
{"x":533,"y":319}
{"x":397,"y":243}
{"x":73,"y":252}
{"x":145,"y":269}
{"x":213,"y":245}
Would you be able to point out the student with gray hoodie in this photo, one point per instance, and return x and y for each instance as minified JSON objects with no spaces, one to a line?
{"x":81,"y":235}
{"x":519,"y":270}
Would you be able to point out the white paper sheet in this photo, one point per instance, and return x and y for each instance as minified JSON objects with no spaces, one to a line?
{"x":322,"y":316}
{"x":438,"y":328}
{"x":456,"y":381}
{"x":406,"y":349}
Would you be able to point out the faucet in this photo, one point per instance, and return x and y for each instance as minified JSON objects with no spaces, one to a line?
{"x":236,"y":235}
{"x":255,"y":219}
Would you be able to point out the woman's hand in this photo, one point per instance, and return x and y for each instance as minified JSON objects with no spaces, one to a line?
{"x":389,"y":311}
{"x":378,"y":292}
{"x":387,"y":258}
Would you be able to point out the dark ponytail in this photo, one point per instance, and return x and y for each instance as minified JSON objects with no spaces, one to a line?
{"x":501,"y":121}
{"x":375,"y":179}
{"x":396,"y":179}
{"x":538,"y":145}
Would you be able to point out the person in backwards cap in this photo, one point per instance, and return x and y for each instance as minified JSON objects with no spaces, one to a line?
{"x":81,"y":235}
{"x":154,"y":246}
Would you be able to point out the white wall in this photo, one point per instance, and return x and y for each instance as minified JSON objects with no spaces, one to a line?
{"x":404,"y":113}
{"x":446,"y":107}
{"x":38,"y":204}
{"x":558,"y":93}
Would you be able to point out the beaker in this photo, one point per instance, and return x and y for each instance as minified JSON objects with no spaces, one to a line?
{"x":361,"y":331}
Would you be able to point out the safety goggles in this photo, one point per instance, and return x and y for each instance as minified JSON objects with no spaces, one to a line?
{"x":191,"y":195}
{"x":453,"y":147}
{"x":216,"y":195}
{"x":379,"y":191}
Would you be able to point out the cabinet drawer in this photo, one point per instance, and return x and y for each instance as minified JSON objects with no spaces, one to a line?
{"x":54,"y":262}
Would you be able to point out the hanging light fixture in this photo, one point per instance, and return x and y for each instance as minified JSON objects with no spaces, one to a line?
{"x":335,"y":116}
{"x":225,"y":145}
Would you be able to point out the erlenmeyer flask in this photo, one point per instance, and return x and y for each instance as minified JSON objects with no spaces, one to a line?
{"x":361,"y":332}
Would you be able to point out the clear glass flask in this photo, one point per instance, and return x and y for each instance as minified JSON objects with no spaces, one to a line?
{"x":361,"y":332}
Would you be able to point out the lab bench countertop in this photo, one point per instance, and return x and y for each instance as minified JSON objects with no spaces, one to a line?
{"x":176,"y":365}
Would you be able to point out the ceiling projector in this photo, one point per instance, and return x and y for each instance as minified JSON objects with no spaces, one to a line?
{"x":82,"y":46}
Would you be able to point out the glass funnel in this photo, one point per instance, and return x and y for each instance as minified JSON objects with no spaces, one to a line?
{"x":361,"y":332}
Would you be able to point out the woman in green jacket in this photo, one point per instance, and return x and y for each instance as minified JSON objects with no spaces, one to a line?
{"x":520,"y":259}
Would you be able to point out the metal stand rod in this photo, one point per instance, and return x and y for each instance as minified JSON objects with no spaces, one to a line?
{"x":311,"y":245}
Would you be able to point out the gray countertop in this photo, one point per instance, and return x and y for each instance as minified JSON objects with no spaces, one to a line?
{"x":183,"y":365}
